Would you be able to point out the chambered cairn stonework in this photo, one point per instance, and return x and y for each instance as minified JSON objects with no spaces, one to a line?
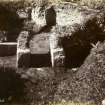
{"x":61,"y":31}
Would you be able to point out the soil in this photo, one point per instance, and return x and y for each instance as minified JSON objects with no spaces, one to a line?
{"x":44,"y":84}
{"x":8,"y":61}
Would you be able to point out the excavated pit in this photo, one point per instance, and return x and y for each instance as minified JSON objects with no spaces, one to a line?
{"x":77,"y":47}
{"x":40,"y":50}
{"x":76,"y":27}
{"x":43,"y":84}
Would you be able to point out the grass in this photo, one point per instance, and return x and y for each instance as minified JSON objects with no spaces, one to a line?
{"x":59,"y":103}
{"x":72,"y":103}
{"x":89,"y":3}
{"x":93,"y":3}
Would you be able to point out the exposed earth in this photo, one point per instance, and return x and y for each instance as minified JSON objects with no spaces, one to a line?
{"x":82,"y":38}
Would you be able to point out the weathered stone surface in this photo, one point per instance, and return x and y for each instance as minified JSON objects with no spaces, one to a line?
{"x":40,"y":44}
{"x":57,"y":52}
{"x":24,"y":13}
{"x":103,"y":102}
{"x":74,"y":29}
{"x":23,"y":52}
{"x":43,"y":16}
{"x":38,"y":16}
{"x":22,"y":40}
{"x":31,"y":26}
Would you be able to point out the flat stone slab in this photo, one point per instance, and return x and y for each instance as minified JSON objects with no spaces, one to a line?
{"x":8,"y":49}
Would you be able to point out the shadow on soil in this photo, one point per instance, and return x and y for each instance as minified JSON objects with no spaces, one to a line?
{"x":35,"y":60}
{"x":40,"y":60}
{"x":10,"y":23}
{"x":12,"y":86}
{"x":77,"y":47}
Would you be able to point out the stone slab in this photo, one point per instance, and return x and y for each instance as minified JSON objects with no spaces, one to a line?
{"x":23,"y":52}
{"x":8,"y":49}
{"x":40,"y":44}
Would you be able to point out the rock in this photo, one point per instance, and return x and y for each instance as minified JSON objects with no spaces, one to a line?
{"x":44,"y":16}
{"x":69,"y":41}
{"x":8,"y":49}
{"x":77,"y":28}
{"x":57,"y":52}
{"x":40,"y":44}
{"x":38,"y":16}
{"x":23,"y":52}
{"x":23,"y":13}
{"x":70,"y":29}
{"x":31,"y":26}
{"x":103,"y":102}
{"x":22,"y":40}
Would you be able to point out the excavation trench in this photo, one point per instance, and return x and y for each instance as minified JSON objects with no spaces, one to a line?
{"x":76,"y":47}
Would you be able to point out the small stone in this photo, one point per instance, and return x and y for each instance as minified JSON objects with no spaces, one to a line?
{"x":103,"y":102}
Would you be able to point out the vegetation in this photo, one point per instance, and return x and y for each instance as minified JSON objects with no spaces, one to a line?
{"x":90,"y":3}
{"x":60,"y":103}
{"x":18,"y":85}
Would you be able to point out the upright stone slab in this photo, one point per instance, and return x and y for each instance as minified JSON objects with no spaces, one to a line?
{"x":23,"y":52}
{"x":57,"y":51}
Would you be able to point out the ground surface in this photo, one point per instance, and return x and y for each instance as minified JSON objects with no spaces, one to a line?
{"x":8,"y":61}
{"x":46,"y":84}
